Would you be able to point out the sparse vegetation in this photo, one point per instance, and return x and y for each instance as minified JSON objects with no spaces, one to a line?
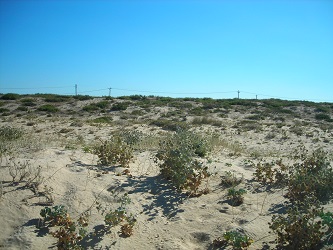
{"x":239,"y":152}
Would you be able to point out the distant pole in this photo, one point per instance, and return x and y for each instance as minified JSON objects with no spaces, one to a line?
{"x":75,"y":89}
{"x":238,"y":93}
{"x":256,"y":97}
{"x":110,"y":92}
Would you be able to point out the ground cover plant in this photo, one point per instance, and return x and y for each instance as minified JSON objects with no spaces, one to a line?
{"x":150,"y":172}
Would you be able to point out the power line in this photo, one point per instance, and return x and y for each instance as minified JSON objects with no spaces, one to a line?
{"x":174,"y":93}
{"x":63,"y":87}
{"x":287,"y":98}
{"x":237,"y":92}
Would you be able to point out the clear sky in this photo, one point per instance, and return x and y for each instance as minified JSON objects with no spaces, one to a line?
{"x":280,"y":49}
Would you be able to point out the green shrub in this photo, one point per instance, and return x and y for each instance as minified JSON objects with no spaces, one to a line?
{"x":169,"y":125}
{"x":236,"y":196}
{"x":55,"y":98}
{"x":119,"y":106}
{"x":197,"y":111}
{"x":114,"y":151}
{"x":272,"y":173}
{"x":69,"y":232}
{"x":10,"y":96}
{"x":90,"y":107}
{"x":322,"y":109}
{"x":177,"y":159}
{"x":28,"y":102}
{"x":312,"y":176}
{"x":48,"y":108}
{"x":103,"y":119}
{"x":131,"y":137}
{"x":4,"y":110}
{"x":82,"y":97}
{"x":102,"y":105}
{"x":121,"y":216}
{"x":301,"y":229}
{"x":22,"y":108}
{"x":324,"y":117}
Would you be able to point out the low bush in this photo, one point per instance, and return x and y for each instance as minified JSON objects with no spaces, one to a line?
{"x":302,"y":229}
{"x":55,"y":98}
{"x":323,"y":117}
{"x":10,"y":96}
{"x":102,"y":105}
{"x":69,"y":233}
{"x":82,"y":97}
{"x":169,"y":125}
{"x":313,"y":175}
{"x":22,"y":108}
{"x":273,"y":173}
{"x":114,"y":151}
{"x":4,"y":110}
{"x":28,"y":102}
{"x":236,"y":196}
{"x":119,"y":106}
{"x":206,"y":120}
{"x":230,"y":180}
{"x":103,"y":119}
{"x":178,"y":160}
{"x":48,"y":108}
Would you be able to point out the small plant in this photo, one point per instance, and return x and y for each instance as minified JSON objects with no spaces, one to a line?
{"x":70,"y":233}
{"x":24,"y":171}
{"x":273,"y":173}
{"x":114,"y":151}
{"x":300,"y":229}
{"x":235,"y":239}
{"x":121,"y":216}
{"x":230,"y":179}
{"x":177,"y":159}
{"x":312,"y":176}
{"x":236,"y":196}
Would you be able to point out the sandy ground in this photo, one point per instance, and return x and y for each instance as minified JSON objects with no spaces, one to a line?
{"x":166,"y":219}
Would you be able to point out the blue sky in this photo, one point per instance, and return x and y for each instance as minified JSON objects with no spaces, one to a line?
{"x":280,"y":49}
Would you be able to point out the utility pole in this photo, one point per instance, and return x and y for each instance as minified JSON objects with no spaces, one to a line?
{"x":238,"y":93}
{"x":75,"y":89}
{"x":256,"y":97}
{"x":110,"y":92}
